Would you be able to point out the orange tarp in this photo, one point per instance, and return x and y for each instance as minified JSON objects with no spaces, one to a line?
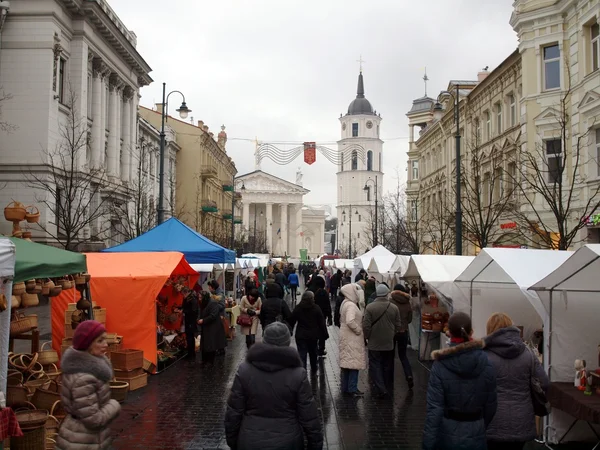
{"x":126,"y":284}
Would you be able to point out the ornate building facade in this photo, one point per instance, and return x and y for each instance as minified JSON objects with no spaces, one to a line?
{"x":360,"y":173}
{"x":68,"y":64}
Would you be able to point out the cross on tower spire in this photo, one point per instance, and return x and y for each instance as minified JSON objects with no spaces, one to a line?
{"x":360,"y":61}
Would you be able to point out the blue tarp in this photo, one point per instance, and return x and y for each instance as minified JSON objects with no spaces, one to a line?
{"x":175,"y":236}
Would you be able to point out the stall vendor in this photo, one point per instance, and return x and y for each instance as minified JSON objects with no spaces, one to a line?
{"x":190,"y":311}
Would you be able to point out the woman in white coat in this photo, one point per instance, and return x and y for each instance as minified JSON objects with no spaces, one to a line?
{"x":351,"y":341}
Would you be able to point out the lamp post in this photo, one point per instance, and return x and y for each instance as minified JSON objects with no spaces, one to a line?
{"x":183,"y":113}
{"x":349,"y":231}
{"x":438,"y":112}
{"x":366,"y":188}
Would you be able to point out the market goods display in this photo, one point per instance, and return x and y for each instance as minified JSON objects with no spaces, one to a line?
{"x":128,"y":366}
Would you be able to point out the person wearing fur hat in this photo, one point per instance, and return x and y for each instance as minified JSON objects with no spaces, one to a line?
{"x":351,"y":340}
{"x":85,"y":392}
{"x":461,"y":396}
{"x":401,"y":298}
{"x":381,"y":323}
{"x":271,"y":405}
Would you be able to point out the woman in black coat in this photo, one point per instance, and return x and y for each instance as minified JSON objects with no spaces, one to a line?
{"x":310,"y":326}
{"x":273,"y":306}
{"x":212,"y":335}
{"x":271,"y":405}
{"x":323,"y":302}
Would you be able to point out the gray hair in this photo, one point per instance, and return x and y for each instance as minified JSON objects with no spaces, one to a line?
{"x":308,"y":297}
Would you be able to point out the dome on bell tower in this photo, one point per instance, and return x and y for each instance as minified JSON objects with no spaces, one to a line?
{"x":360,"y":105}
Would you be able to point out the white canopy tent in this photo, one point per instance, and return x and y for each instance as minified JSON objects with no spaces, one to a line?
{"x":569,"y":296}
{"x":7,"y":272}
{"x":400,"y":265}
{"x":343,"y":264}
{"x":498,"y":279}
{"x":379,"y":253}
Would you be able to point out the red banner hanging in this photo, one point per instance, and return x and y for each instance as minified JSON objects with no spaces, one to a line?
{"x":310,"y":152}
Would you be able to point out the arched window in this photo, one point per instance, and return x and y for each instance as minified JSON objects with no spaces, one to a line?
{"x":370,"y":160}
{"x":354,"y":160}
{"x":342,"y":163}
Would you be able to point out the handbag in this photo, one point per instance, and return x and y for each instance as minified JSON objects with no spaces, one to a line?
{"x":541,"y":406}
{"x":244,"y":320}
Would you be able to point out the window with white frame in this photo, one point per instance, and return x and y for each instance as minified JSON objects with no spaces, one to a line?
{"x":595,"y":47}
{"x":488,"y":125}
{"x":551,"y":67}
{"x":553,"y":160}
{"x":511,"y":182}
{"x":499,"y":118}
{"x":597,"y":155}
{"x":413,"y":210}
{"x":415,"y":170}
{"x":62,"y":80}
{"x":512,"y":104}
{"x":477,"y":130}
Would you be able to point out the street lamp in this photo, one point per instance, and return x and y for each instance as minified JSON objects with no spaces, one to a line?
{"x":437,"y":114}
{"x":183,"y":111}
{"x":366,"y":188}
{"x":349,"y":231}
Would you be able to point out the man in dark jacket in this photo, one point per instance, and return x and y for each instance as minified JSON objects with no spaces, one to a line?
{"x":190,"y":319}
{"x":271,"y":405}
{"x":381,"y":322}
{"x":336,"y":282}
{"x":360,"y":275}
{"x":280,"y":279}
{"x":274,"y":306}
{"x":401,"y":299}
{"x":310,"y":327}
{"x":323,"y":302}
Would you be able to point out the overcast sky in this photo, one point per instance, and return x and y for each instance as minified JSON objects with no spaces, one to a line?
{"x":284,"y":70}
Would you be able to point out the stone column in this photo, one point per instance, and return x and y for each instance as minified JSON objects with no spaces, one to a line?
{"x":322,"y":234}
{"x":119,"y":131}
{"x":97,"y":88}
{"x":111,"y":164}
{"x":284,"y":228}
{"x":299,"y":229}
{"x":133,"y":150}
{"x":126,"y":148}
{"x":104,"y":116}
{"x":246,"y":216}
{"x":269,"y":226}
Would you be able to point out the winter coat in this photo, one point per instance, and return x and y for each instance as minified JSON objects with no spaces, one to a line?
{"x":293,"y":279}
{"x":309,"y":322}
{"x":271,"y":406}
{"x":213,"y":334}
{"x":336,"y":280}
{"x":250,"y":284}
{"x":360,"y":276}
{"x":402,"y":302}
{"x":462,"y":382}
{"x":271,"y":308}
{"x":190,"y":310}
{"x":351,"y":338}
{"x":86,"y":397}
{"x":322,"y":301}
{"x":244,"y":307}
{"x":220,"y":299}
{"x":514,"y":363}
{"x":370,"y":288}
{"x":381,"y":335}
{"x":281,"y":279}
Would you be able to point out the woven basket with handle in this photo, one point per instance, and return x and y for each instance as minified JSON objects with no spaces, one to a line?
{"x":14,"y":211}
{"x":47,"y":355}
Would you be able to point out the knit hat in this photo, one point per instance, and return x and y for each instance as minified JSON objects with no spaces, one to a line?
{"x":277,"y":334}
{"x":85,"y":333}
{"x":382,"y":290}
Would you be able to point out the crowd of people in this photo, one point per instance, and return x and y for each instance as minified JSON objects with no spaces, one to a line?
{"x":479,"y":394}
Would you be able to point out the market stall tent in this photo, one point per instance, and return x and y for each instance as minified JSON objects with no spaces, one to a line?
{"x":384,"y":267}
{"x":498,"y":279}
{"x":126,"y":284}
{"x":569,"y":296}
{"x":7,"y":271}
{"x":175,"y":236}
{"x":379,"y":253}
{"x":343,"y":264}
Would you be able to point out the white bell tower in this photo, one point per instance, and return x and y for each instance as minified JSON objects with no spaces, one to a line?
{"x":361,"y":155}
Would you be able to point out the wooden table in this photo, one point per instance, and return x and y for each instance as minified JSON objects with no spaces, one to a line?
{"x":33,"y":336}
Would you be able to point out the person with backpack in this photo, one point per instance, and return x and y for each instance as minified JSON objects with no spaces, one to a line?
{"x":294,"y":282}
{"x":274,"y":308}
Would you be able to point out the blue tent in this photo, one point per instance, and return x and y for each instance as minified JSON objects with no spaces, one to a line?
{"x":175,"y":236}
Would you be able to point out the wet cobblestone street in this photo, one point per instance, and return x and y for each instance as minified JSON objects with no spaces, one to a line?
{"x":183,"y":408}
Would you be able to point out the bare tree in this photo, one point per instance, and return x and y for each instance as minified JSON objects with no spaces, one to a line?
{"x":485,"y":196}
{"x":438,"y":228}
{"x":72,"y":191}
{"x":5,"y":127}
{"x":552,"y":179}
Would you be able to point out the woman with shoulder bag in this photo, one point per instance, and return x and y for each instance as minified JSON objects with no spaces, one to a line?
{"x":250,"y":306}
{"x":514,"y":423}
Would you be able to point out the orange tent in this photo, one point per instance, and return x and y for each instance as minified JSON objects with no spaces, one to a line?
{"x":126,"y":284}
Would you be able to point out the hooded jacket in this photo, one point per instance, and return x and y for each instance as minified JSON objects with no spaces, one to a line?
{"x":462,"y":382}
{"x":271,"y":405}
{"x":86,"y":397}
{"x":351,"y":337}
{"x":514,"y":364}
{"x":402,"y":302}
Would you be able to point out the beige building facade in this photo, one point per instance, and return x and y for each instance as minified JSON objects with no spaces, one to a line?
{"x":204,"y":183}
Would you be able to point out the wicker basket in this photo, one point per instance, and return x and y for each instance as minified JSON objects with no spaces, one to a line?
{"x":20,"y":323}
{"x":65,"y":283}
{"x":54,"y":291}
{"x":25,"y":363}
{"x":37,"y":381}
{"x":32,"y":420}
{"x":99,"y":314}
{"x":28,"y":300}
{"x":30,"y":286}
{"x":31,"y":440}
{"x":14,"y":378}
{"x":32,"y":214}
{"x":119,"y":390}
{"x":46,"y":398}
{"x":79,"y":279}
{"x":52,"y":371}
{"x":18,"y":288}
{"x":47,"y":356}
{"x":17,"y":396}
{"x":15,"y":301}
{"x":15,"y":212}
{"x":128,"y":359}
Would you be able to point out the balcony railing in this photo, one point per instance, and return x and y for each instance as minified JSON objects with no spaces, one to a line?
{"x":227,"y":216}
{"x":209,"y":206}
{"x":237,"y":220}
{"x":208,"y":171}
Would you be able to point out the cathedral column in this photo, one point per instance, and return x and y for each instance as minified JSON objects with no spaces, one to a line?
{"x":269,"y":227}
{"x":103,"y":116}
{"x":299,"y":228}
{"x":246,"y":216}
{"x":111,"y":164}
{"x":97,"y":88}
{"x":126,"y":147}
{"x":284,"y":227}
